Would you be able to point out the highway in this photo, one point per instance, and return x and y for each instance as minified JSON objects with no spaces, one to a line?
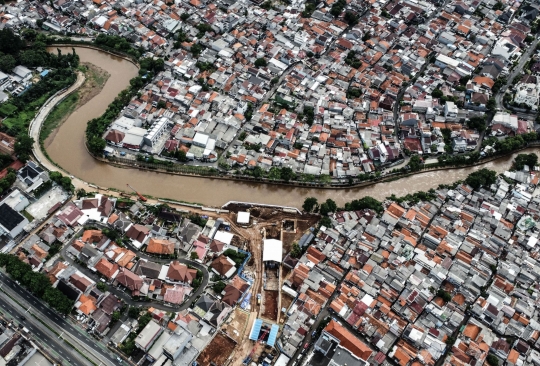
{"x":40,"y":334}
{"x":75,"y":336}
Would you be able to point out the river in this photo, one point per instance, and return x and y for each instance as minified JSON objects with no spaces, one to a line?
{"x":67,"y":150}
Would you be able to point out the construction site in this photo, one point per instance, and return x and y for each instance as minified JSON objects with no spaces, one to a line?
{"x":266,"y":225}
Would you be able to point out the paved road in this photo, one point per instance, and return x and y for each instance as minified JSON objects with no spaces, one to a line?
{"x":515,"y":71}
{"x":37,"y":122}
{"x":40,"y":334}
{"x":55,"y":321}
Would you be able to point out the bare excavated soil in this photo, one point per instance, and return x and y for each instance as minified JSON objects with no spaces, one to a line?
{"x":270,"y":305}
{"x":217,"y":352}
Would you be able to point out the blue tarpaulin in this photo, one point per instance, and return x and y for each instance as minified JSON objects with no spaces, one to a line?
{"x":273,"y":335}
{"x":254,"y":335}
{"x":245,"y":303}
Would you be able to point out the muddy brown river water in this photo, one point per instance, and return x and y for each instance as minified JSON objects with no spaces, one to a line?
{"x":67,"y":150}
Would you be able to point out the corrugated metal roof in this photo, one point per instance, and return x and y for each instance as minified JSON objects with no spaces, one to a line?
{"x":255,"y":330}
{"x":273,"y":335}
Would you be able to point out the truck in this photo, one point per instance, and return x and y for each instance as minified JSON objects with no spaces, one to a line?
{"x":26,"y":330}
{"x":258,"y":299}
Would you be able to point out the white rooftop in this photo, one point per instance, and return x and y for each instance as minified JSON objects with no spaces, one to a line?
{"x":243,"y":218}
{"x":272,"y":250}
{"x":224,"y":237}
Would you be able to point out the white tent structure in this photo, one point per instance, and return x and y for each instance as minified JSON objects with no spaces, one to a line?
{"x":272,"y":250}
{"x":243,"y":218}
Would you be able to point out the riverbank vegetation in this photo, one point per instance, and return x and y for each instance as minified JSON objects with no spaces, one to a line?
{"x":31,"y":52}
{"x":97,"y":126}
{"x":95,"y":79}
{"x":59,"y":113}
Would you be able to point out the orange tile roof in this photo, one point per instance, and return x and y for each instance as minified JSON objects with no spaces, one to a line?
{"x":348,"y":340}
{"x":160,"y":246}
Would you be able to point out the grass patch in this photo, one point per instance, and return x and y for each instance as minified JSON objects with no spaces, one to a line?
{"x":59,"y":113}
{"x":21,"y":121}
{"x":27,"y":215}
{"x":7,"y":109}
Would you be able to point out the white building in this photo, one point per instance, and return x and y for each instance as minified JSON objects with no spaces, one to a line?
{"x":272,"y":250}
{"x":148,"y":335}
{"x":527,"y":94}
{"x":450,"y":111}
{"x":16,"y":200}
{"x":506,"y":119}
{"x":156,"y":131}
{"x":11,"y":222}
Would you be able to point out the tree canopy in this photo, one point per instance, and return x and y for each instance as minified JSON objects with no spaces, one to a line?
{"x":482,"y":177}
{"x":364,"y":203}
{"x":521,"y":160}
{"x":310,"y":204}
{"x":36,"y":282}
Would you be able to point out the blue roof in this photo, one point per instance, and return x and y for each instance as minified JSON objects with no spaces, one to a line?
{"x":254,"y":335}
{"x":245,"y":303}
{"x":273,"y":335}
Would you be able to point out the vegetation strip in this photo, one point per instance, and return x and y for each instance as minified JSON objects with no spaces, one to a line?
{"x":51,"y":329}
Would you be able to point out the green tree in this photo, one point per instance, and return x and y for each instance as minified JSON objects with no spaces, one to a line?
{"x":23,"y":146}
{"x":328,"y":206}
{"x":194,"y":255}
{"x":81,"y":192}
{"x":196,"y":50}
{"x":218,"y":287}
{"x":7,"y":63}
{"x":521,"y":160}
{"x":101,"y":286}
{"x":364,"y":203}
{"x":444,"y":295}
{"x":437,"y":93}
{"x":492,"y":360}
{"x":181,"y":156}
{"x":478,"y":122}
{"x":116,"y":316}
{"x":482,"y":177}
{"x":134,"y":312}
{"x":310,"y":203}
{"x":491,"y":104}
{"x":96,"y":145}
{"x":10,"y":43}
{"x":415,"y":163}
{"x":260,"y":62}
{"x":325,"y":221}
{"x":351,"y":18}
{"x":287,"y":174}
{"x":296,"y":251}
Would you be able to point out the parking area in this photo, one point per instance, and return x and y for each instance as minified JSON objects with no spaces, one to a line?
{"x":39,"y":209}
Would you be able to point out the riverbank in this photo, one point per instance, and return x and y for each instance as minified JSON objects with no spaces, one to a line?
{"x":187,"y":170}
{"x":96,"y":78}
{"x":68,"y":152}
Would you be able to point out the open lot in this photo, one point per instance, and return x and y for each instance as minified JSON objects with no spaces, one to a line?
{"x":217,"y":352}
{"x":236,"y":326}
{"x":270,"y":305}
{"x":40,"y":208}
{"x":286,"y":300}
